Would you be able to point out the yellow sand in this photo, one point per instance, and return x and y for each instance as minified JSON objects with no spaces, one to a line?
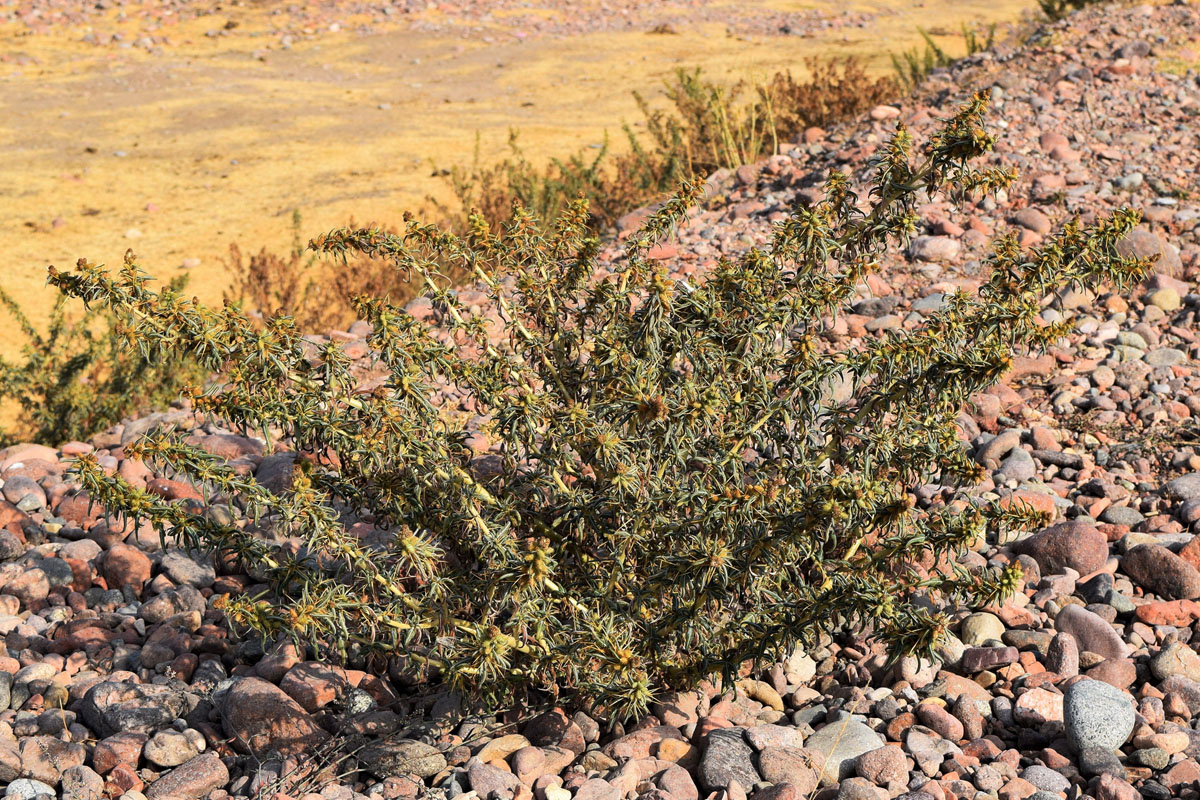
{"x":220,"y":146}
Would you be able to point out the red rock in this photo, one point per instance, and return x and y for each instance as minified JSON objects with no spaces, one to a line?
{"x":314,"y":685}
{"x":1052,"y":139}
{"x":230,"y":446}
{"x":82,"y":572}
{"x":172,"y":490}
{"x":639,"y":743}
{"x":1016,"y":789}
{"x":1040,"y":501}
{"x":883,"y":766}
{"x":125,"y":565}
{"x":184,"y":666}
{"x":31,"y":588}
{"x":195,"y":778}
{"x":1190,"y":552}
{"x":981,"y":749}
{"x":1157,"y":569}
{"x":899,"y":724}
{"x":11,"y":519}
{"x":1118,"y":672}
{"x":260,"y":717}
{"x":707,"y":725}
{"x":1091,"y":632}
{"x":120,"y":748}
{"x":1072,"y":544}
{"x":1034,"y":220}
{"x":1113,"y":788}
{"x":1039,"y":706}
{"x":123,"y":779}
{"x":282,"y":657}
{"x":1179,"y":613}
{"x":79,"y":510}
{"x":1183,"y":775}
{"x":16,"y":454}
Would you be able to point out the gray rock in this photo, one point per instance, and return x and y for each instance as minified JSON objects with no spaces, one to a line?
{"x":172,"y":602}
{"x":183,"y":568}
{"x":112,"y":707}
{"x":1183,"y":488}
{"x":81,"y":783}
{"x":1154,"y":757}
{"x":1018,"y":466}
{"x":10,"y":546}
{"x":403,"y":757}
{"x":1046,"y":779}
{"x":27,"y":789}
{"x":1175,"y":658}
{"x":727,"y":758}
{"x":1122,"y":515}
{"x":1096,"y":714}
{"x":761,"y":737}
{"x":938,"y":249}
{"x":840,"y":741}
{"x":928,"y":749}
{"x":170,"y":748}
{"x":1165,"y":357}
{"x":1095,"y":761}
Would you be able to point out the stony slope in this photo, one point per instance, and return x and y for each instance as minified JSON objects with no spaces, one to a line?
{"x":118,"y":678}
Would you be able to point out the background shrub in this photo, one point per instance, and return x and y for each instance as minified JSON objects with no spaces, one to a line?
{"x":677,"y":490}
{"x":316,"y":294}
{"x":704,"y":126}
{"x":79,"y":377}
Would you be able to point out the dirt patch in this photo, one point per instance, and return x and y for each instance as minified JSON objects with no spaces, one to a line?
{"x":175,"y":129}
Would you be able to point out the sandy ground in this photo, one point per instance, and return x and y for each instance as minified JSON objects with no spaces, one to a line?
{"x":213,"y":129}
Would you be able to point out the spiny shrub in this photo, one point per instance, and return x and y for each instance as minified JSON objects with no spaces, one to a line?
{"x":77,"y":377}
{"x":704,"y":126}
{"x":675,"y":490}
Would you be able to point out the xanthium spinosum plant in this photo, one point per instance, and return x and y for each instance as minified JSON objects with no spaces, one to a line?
{"x":675,"y":493}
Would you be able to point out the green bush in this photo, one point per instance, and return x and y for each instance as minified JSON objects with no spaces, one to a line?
{"x":77,"y":377}
{"x":676,"y":489}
